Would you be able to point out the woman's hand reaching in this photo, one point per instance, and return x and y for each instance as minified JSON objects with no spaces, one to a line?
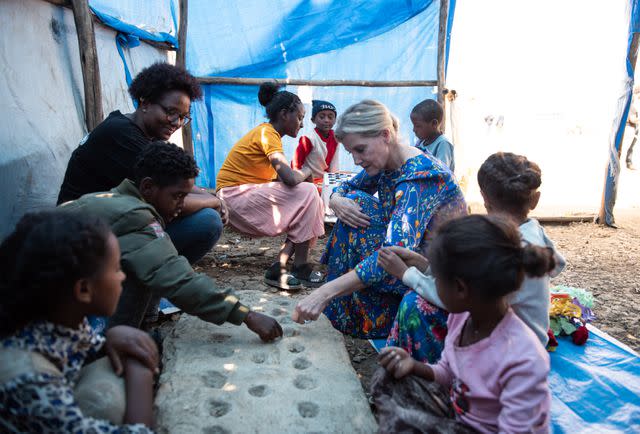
{"x":310,"y":307}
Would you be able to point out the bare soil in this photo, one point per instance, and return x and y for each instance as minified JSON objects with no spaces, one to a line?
{"x":601,"y":259}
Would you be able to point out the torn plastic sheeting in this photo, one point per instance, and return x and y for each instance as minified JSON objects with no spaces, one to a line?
{"x":153,"y":20}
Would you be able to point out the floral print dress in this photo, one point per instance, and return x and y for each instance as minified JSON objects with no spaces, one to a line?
{"x":411,"y":202}
{"x":42,"y":402}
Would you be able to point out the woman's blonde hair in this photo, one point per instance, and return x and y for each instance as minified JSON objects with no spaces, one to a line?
{"x":367,"y":118}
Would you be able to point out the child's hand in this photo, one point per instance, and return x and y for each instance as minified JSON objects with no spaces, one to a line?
{"x":396,"y":361}
{"x":391,"y":262}
{"x":124,"y":342}
{"x":139,"y":390}
{"x":264,"y":326}
{"x":411,"y":258}
{"x":224,"y":211}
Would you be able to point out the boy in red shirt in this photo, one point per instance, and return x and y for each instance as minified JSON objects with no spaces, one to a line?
{"x":319,"y":151}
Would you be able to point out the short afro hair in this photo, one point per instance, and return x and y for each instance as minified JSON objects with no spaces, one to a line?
{"x":156,"y":80}
{"x":429,"y":110}
{"x":165,"y":163}
{"x":41,"y":260}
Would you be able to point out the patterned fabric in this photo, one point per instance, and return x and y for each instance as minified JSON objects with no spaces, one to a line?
{"x":44,"y":403}
{"x":412,"y":201}
{"x":367,"y":313}
{"x":419,"y":328}
{"x":442,"y":149}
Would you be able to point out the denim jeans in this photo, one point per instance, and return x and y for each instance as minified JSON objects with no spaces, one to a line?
{"x":193,"y":236}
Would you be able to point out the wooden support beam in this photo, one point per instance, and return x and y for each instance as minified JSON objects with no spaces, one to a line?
{"x":442,"y":50}
{"x":181,"y":60}
{"x":299,"y":82}
{"x":89,"y":62}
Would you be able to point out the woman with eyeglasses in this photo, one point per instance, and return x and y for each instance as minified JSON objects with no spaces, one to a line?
{"x":163,"y":94}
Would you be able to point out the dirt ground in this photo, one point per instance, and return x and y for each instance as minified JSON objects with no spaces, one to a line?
{"x":601,"y":259}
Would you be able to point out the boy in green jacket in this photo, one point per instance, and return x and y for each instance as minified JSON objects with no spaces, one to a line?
{"x":137,"y":211}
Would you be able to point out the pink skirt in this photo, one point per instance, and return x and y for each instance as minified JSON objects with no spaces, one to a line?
{"x":273,"y":208}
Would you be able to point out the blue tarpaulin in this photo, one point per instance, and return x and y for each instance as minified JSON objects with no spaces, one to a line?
{"x":624,"y":103}
{"x":154,"y":20}
{"x":297,"y":39}
{"x":312,"y":39}
{"x":595,"y":388}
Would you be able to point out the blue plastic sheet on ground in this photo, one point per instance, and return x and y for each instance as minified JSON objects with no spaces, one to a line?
{"x":595,"y":388}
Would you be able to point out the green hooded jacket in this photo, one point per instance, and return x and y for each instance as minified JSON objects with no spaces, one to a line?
{"x":148,"y":255}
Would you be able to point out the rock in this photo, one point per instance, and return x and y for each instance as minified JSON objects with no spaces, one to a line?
{"x":223,"y":379}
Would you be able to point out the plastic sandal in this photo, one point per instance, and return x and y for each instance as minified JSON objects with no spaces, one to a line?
{"x":278,"y":277}
{"x":308,"y":276}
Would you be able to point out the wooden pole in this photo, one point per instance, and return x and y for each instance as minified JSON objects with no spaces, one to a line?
{"x":299,"y":82}
{"x":89,"y":62}
{"x":610,"y":190}
{"x":181,"y":60}
{"x":442,"y":50}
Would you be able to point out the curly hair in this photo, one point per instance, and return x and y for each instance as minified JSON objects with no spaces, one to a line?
{"x":156,"y":80}
{"x":275,"y":100}
{"x":47,"y":253}
{"x":508,"y":180}
{"x":165,"y":163}
{"x":486,"y":253}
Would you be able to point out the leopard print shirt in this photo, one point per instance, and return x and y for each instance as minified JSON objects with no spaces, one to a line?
{"x":44,"y":403}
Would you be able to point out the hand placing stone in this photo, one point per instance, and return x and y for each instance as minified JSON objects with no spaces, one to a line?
{"x":264,"y":326}
{"x":310,"y":307}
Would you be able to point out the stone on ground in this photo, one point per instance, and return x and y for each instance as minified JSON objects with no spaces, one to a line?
{"x":223,"y":379}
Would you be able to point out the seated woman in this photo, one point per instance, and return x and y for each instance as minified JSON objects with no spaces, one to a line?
{"x":415,"y":194}
{"x":266,"y":197}
{"x":107,"y":155}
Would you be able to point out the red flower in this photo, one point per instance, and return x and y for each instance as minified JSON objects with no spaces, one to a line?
{"x":439,"y":332}
{"x":553,"y":342}
{"x":580,"y":336}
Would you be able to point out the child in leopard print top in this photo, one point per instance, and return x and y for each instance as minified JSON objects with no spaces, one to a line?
{"x":55,"y":269}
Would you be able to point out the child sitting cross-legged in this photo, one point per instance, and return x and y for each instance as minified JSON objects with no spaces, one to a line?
{"x":492,"y":376}
{"x":55,"y":269}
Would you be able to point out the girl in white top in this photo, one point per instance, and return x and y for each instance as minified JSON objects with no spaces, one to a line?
{"x":509,"y":185}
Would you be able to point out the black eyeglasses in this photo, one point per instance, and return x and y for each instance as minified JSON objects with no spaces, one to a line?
{"x":174,"y":115}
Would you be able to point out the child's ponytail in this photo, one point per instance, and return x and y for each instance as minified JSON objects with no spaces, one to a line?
{"x":537,"y":261}
{"x":486,"y":252}
{"x":275,"y":100}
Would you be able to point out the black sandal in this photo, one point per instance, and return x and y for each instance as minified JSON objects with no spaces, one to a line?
{"x":308,"y":276}
{"x":278,"y":277}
